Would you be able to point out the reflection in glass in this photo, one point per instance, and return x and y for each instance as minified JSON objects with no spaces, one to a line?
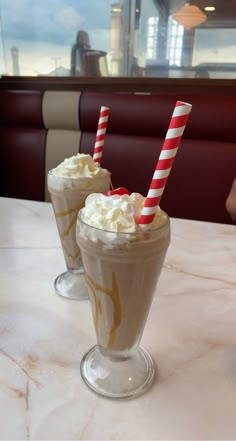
{"x":127,"y":37}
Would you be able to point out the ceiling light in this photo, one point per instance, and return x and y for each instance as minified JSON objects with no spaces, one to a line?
{"x":116,"y":9}
{"x":209,"y":8}
{"x":189,"y":16}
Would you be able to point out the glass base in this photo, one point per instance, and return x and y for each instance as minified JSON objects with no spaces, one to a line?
{"x":71,"y":286}
{"x":117,"y":379}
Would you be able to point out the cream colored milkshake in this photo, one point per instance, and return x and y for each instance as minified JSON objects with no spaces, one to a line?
{"x":122,"y":266}
{"x":69,"y":184}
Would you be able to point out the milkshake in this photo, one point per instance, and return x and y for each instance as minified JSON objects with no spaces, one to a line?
{"x":69,"y":184}
{"x":122,"y":265}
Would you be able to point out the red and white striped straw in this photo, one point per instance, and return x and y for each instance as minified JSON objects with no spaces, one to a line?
{"x":100,"y":135}
{"x":169,"y":149}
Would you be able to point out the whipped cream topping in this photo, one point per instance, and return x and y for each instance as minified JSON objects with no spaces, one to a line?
{"x":118,"y":213}
{"x":79,"y":166}
{"x":78,"y":173}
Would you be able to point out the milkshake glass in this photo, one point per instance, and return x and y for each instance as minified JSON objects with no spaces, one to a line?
{"x":69,"y":184}
{"x":121,"y":270}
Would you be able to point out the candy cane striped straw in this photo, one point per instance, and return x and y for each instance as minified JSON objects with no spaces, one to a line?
{"x":100,"y":136}
{"x":170,"y":147}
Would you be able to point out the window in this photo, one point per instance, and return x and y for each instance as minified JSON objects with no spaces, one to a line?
{"x":115,"y":38}
{"x":175,"y":42}
{"x":152,"y":28}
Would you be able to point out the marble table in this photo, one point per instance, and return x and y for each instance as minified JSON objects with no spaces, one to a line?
{"x":190,"y":334}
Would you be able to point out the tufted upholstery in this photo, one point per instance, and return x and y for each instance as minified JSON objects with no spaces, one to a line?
{"x":39,"y":129}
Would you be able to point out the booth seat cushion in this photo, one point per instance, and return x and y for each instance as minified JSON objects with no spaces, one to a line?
{"x":22,"y":144}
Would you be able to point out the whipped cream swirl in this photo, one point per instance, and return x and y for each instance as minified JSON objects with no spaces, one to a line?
{"x":117,"y":213}
{"x":79,"y":166}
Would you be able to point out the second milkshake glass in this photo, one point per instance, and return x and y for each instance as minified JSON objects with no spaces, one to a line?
{"x":121,"y":270}
{"x":68,"y":196}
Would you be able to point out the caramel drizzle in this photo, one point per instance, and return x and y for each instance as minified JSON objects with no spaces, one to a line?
{"x":73,"y":257}
{"x":67,"y":230}
{"x":113,"y":293}
{"x":71,"y":210}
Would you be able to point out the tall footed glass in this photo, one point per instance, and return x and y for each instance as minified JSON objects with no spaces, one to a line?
{"x":68,"y":196}
{"x":121,"y":270}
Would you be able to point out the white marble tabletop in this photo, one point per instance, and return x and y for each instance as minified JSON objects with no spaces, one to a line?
{"x":190,"y":334}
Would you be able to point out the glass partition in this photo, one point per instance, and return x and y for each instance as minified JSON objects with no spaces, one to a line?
{"x":118,"y":38}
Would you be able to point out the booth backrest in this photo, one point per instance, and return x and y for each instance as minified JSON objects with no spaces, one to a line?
{"x":38,"y":129}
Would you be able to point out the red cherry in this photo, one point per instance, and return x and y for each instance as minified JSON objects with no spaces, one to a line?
{"x":120,"y":191}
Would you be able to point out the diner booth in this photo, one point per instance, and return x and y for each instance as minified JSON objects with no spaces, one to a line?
{"x":188,"y":333}
{"x":42,"y":124}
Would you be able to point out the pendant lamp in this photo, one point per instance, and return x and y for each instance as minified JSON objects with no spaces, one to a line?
{"x":189,"y":16}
